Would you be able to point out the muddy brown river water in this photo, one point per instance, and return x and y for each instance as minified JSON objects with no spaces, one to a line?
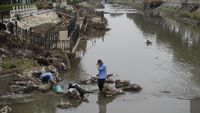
{"x":168,"y":70}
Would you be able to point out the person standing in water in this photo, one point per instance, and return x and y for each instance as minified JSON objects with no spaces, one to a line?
{"x":101,"y":75}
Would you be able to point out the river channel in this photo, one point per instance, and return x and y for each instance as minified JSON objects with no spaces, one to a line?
{"x":168,"y":70}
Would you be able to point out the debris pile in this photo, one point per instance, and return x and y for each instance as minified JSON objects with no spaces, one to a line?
{"x":94,"y":80}
{"x":6,"y":109}
{"x":69,"y":104}
{"x":125,"y":85}
{"x":94,"y":24}
{"x":29,"y":82}
{"x":73,"y":93}
{"x":57,"y":58}
{"x":64,"y":105}
{"x":91,"y":80}
{"x":121,"y":83}
{"x":110,"y":92}
{"x":132,"y":88}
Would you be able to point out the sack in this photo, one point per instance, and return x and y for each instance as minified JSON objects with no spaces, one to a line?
{"x":57,"y":89}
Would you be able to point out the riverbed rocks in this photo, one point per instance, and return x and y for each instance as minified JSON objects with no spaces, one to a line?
{"x":6,"y":109}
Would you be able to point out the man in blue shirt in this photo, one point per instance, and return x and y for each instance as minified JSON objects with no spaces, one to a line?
{"x":101,"y":75}
{"x":48,"y":77}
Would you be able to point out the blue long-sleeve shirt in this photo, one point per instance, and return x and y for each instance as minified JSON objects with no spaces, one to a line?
{"x":102,"y":71}
{"x":48,"y":76}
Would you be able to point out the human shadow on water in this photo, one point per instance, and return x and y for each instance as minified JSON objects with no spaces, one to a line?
{"x":102,"y":102}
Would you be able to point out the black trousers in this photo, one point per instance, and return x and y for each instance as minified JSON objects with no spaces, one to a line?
{"x":101,"y":84}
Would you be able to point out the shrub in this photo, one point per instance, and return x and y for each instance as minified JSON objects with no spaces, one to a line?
{"x":18,"y":64}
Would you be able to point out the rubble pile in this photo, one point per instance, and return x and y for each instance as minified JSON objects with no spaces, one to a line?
{"x":121,"y":86}
{"x":29,"y":82}
{"x":71,"y":103}
{"x":110,"y":92}
{"x":94,"y":80}
{"x":6,"y":109}
{"x":74,"y":94}
{"x":91,"y":80}
{"x":127,"y":86}
{"x":42,"y":17}
{"x":94,"y":24}
{"x":64,"y":105}
{"x":22,"y":85}
{"x":57,"y":58}
{"x":121,"y":83}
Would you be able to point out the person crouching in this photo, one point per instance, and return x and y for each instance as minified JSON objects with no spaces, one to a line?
{"x":48,"y":77}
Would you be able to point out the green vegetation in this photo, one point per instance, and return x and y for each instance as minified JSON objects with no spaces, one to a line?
{"x":168,"y":10}
{"x":120,"y":1}
{"x":137,"y":5}
{"x":193,"y":15}
{"x":41,"y":5}
{"x":18,"y":64}
{"x":72,"y":2}
{"x":128,"y":2}
{"x":7,"y":7}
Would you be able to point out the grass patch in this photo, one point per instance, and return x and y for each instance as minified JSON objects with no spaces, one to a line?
{"x":128,"y":2}
{"x":73,"y":2}
{"x":18,"y":65}
{"x":137,"y":5}
{"x":193,"y":15}
{"x":6,"y":7}
{"x":168,"y":10}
